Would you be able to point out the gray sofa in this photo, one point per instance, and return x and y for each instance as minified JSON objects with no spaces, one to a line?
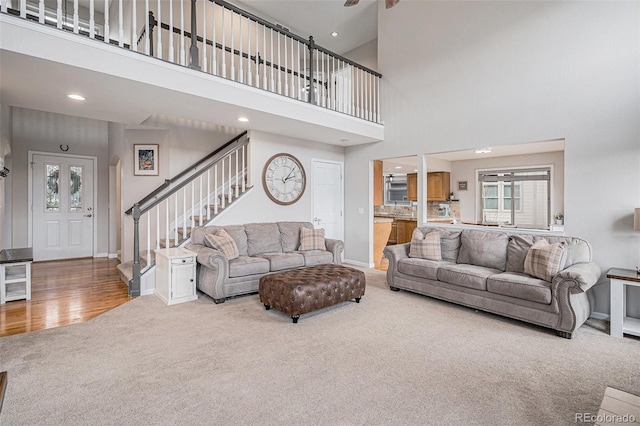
{"x":485,"y":270}
{"x":263,"y":247}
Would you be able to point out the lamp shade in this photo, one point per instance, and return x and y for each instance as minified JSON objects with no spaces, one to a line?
{"x":636,"y":220}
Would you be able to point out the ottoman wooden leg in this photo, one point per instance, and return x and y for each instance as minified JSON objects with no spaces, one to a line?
{"x":295,"y":318}
{"x":267,"y":307}
{"x":357,"y":300}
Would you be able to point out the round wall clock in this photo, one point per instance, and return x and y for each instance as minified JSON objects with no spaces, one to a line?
{"x":284,"y":179}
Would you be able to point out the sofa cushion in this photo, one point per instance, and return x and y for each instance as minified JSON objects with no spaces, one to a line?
{"x":425,"y":245}
{"x":517,"y":249}
{"x":262,"y":238}
{"x":471,"y":276}
{"x":312,"y":239}
{"x":222,"y":242}
{"x":244,"y":265}
{"x":290,"y":234}
{"x":421,"y":268}
{"x":450,"y":243}
{"x":520,"y":286}
{"x":483,"y":248}
{"x":316,"y":257}
{"x":544,"y":260}
{"x":235,"y":231}
{"x":279,"y":261}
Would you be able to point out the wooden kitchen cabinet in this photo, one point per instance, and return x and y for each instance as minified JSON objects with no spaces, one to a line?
{"x":412,"y":186}
{"x":378,"y":184}
{"x":393,"y":236}
{"x":438,"y":186}
{"x":405,"y":229}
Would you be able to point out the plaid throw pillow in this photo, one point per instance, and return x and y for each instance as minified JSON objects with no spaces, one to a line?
{"x":311,"y":239}
{"x":222,"y":242}
{"x":544,"y":260}
{"x":425,"y":246}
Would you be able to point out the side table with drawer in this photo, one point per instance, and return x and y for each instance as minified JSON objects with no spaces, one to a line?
{"x":175,"y":275}
{"x":15,"y":274}
{"x":620,"y":322}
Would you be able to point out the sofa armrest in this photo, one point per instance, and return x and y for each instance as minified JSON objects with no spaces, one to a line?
{"x":578,"y":277}
{"x":336,"y":247}
{"x":194,"y":247}
{"x":395,"y":253}
{"x":213,"y":272}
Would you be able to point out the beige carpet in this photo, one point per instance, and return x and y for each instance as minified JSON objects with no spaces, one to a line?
{"x":394,"y":359}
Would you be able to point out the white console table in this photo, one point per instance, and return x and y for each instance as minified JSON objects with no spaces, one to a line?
{"x":620,"y":322}
{"x":176,"y":275}
{"x":15,"y":274}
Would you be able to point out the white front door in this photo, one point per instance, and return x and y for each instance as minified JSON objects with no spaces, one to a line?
{"x":327,"y":197}
{"x":62,"y":197}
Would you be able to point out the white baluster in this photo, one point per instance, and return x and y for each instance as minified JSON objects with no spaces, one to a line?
{"x":273,"y":83}
{"x":166,"y":225}
{"x":92,"y":22}
{"x":208,"y":194}
{"x":200,"y":202}
{"x":134,"y":28}
{"x":184,"y":212}
{"x":157,"y":227}
{"x":159,"y":32}
{"x":278,"y":69}
{"x":107,"y":31}
{"x":76,"y":17}
{"x":240,"y":60}
{"x":229,"y":181}
{"x":242,"y":176}
{"x":59,"y":14}
{"x":41,"y":11}
{"x":257,"y":56}
{"x":214,"y":53}
{"x":249,"y":76}
{"x":148,"y":216}
{"x":183,"y":57}
{"x":378,"y":118}
{"x":333,"y":83}
{"x":222,"y":198}
{"x":358,"y":91}
{"x":299,"y":81}
{"x":233,"y":51}
{"x":23,"y":8}
{"x":3,"y":6}
{"x":224,"y":46}
{"x":237,"y":173}
{"x":293,"y":81}
{"x":304,"y":67}
{"x":286,"y":67}
{"x":215,"y":189}
{"x":147,"y":40}
{"x":120,"y":24}
{"x":175,"y":220}
{"x":264,"y":57}
{"x":205,"y":62}
{"x":171,"y":46}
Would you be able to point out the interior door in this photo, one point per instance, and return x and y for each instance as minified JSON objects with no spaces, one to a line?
{"x":328,"y":198}
{"x":62,"y":195}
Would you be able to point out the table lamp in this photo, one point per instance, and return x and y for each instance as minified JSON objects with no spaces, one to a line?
{"x":636,"y":227}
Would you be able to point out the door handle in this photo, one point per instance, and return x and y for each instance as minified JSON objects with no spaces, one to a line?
{"x":88,"y":215}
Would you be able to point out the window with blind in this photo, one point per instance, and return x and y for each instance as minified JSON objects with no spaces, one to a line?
{"x":517,"y":197}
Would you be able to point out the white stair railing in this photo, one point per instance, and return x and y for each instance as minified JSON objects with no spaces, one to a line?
{"x":166,"y":216}
{"x":229,"y":43}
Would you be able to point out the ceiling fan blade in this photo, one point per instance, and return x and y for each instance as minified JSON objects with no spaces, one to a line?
{"x":350,"y":3}
{"x":388,"y":4}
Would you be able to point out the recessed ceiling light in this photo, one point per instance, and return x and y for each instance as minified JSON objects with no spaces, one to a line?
{"x":483,"y":150}
{"x":335,"y":34}
{"x":415,"y":170}
{"x":76,"y":97}
{"x":398,"y":167}
{"x":243,"y":119}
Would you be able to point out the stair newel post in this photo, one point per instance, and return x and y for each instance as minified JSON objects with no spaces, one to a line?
{"x":134,"y":284}
{"x":312,"y":45}
{"x":152,"y":22}
{"x":193,"y":50}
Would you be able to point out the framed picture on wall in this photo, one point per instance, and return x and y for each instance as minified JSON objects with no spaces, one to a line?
{"x":462,"y":185}
{"x":146,"y":160}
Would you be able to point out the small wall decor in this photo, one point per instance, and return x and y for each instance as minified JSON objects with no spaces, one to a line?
{"x":462,"y":185}
{"x":146,"y":160}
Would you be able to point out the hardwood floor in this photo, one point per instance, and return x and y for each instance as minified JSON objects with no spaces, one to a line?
{"x":65,"y":292}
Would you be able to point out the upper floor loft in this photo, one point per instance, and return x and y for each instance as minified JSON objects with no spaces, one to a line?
{"x":205,"y":60}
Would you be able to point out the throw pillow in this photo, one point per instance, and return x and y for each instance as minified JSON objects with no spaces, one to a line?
{"x":311,"y":239}
{"x":544,"y":260}
{"x":425,"y":245}
{"x":222,"y":242}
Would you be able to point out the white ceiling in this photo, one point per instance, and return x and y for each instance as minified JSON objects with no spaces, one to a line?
{"x":356,"y":25}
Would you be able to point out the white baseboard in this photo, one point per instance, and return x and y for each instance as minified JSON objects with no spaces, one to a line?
{"x":600,"y":316}
{"x":100,"y":255}
{"x":113,"y":255}
{"x":356,"y":263}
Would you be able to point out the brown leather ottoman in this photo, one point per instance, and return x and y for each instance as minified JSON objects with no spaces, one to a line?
{"x":303,"y":290}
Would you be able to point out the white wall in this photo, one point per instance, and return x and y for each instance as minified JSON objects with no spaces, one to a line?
{"x":459,"y":75}
{"x":366,"y":55}
{"x":5,"y":154}
{"x":256,"y":206}
{"x":45,"y":132}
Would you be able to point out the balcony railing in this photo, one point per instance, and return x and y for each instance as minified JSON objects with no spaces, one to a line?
{"x":222,"y":40}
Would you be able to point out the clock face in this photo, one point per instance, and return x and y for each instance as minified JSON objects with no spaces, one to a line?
{"x":284,"y":179}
